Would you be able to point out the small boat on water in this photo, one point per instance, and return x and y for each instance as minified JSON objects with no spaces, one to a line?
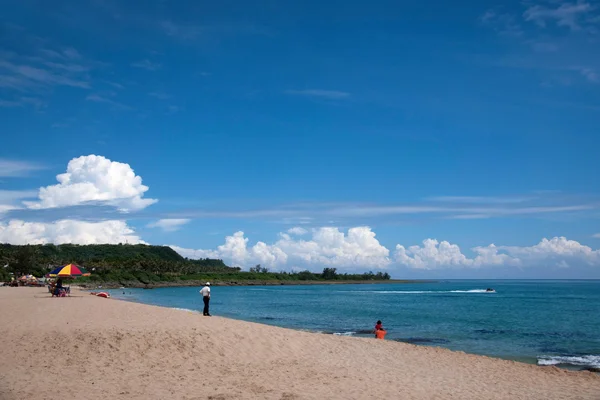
{"x":490,"y":290}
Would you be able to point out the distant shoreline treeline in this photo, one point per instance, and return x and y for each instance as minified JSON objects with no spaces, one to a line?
{"x":133,"y":265}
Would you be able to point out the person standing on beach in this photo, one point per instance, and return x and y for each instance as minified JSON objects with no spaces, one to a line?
{"x":205,"y":292}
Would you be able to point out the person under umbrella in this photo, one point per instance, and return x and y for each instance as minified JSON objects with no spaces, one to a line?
{"x":58,"y":286}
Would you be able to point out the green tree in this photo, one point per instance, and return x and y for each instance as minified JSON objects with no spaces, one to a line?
{"x":329,"y":274}
{"x":25,"y":259}
{"x":306,"y":276}
{"x":4,"y":275}
{"x":255,"y":269}
{"x":259,"y":270}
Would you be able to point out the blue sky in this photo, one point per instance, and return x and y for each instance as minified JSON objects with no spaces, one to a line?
{"x":472,"y":123}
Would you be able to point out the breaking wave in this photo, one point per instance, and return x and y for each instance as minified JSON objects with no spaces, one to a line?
{"x":588,"y":360}
{"x":186,"y":309}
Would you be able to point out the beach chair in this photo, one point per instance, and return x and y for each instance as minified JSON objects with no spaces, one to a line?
{"x":62,"y":292}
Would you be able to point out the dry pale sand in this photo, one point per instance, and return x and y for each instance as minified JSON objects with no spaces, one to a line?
{"x":86,"y":347}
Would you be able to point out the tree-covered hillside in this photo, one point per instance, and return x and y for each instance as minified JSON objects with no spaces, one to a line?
{"x":37,"y":259}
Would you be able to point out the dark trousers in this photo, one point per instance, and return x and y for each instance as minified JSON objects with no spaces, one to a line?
{"x":206,"y":300}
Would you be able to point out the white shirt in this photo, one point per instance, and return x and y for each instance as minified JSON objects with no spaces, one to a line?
{"x":205,"y":291}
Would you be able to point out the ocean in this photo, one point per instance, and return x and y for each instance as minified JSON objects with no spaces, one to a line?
{"x":548,"y":322}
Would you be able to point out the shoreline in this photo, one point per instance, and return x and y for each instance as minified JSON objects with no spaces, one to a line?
{"x":154,"y":285}
{"x":362,"y":333}
{"x":127,"y":350}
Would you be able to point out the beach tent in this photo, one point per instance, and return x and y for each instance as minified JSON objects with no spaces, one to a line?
{"x":27,"y":280}
{"x":68,"y":271}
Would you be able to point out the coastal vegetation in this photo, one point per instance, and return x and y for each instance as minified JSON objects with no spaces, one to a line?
{"x":144,"y":265}
{"x":103,"y":258}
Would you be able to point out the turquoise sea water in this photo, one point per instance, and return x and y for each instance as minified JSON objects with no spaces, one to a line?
{"x":544,"y":322}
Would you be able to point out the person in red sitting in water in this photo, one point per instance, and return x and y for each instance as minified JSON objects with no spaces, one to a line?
{"x":379,"y":330}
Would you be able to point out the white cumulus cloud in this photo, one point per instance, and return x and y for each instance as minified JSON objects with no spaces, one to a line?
{"x":95,"y":178}
{"x":492,"y":256}
{"x":328,"y":247}
{"x":67,"y":231}
{"x":169,"y":224}
{"x":558,"y":251}
{"x":331,"y":247}
{"x":432,"y":255}
{"x":236,"y":252}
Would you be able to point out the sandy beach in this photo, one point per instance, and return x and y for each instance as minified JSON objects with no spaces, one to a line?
{"x":85,"y":347}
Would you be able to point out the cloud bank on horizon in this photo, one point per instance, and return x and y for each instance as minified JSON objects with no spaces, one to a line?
{"x":359,"y":249}
{"x":98,"y":181}
{"x":67,"y":231}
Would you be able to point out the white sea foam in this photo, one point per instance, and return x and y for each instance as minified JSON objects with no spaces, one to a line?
{"x":186,"y":309}
{"x":586,"y":360}
{"x":344,"y":333}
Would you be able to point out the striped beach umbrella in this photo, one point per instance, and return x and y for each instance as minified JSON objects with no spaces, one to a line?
{"x":70,"y":270}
